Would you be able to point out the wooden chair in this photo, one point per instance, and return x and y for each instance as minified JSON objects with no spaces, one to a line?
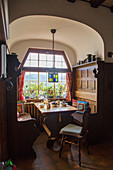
{"x":78,"y":133}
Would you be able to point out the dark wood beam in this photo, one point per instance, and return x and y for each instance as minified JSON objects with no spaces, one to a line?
{"x":71,"y":0}
{"x":96,"y":3}
{"x":43,"y":69}
{"x":111,"y":8}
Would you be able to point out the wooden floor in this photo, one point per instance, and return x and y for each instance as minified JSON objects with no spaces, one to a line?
{"x":100,"y":158}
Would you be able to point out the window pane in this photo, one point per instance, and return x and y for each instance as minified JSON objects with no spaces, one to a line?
{"x":27,"y":63}
{"x":31,"y":63}
{"x":42,"y":84}
{"x":43,"y":77}
{"x":59,"y":76}
{"x":42,"y":63}
{"x":42,"y":89}
{"x":34,"y":63}
{"x":49,"y":64}
{"x":62,"y":76}
{"x":34,"y":76}
{"x":42,"y":56}
{"x":58,"y":57}
{"x":50,"y":90}
{"x":64,"y":65}
{"x":34,"y":56}
{"x":64,"y":89}
{"x":60,"y":87}
{"x":60,"y":90}
{"x":50,"y":57}
{"x":31,"y":85}
{"x":58,"y":64}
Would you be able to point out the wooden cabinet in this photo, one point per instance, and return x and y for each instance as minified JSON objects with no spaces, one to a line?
{"x":93,"y":82}
{"x":85,"y":86}
{"x":3,"y":122}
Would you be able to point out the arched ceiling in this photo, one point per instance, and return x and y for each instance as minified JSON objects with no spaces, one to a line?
{"x":75,"y":35}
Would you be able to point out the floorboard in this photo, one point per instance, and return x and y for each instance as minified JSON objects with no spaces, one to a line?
{"x":100,"y":157}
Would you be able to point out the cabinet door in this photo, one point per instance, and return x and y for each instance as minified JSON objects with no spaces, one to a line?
{"x":3,"y":122}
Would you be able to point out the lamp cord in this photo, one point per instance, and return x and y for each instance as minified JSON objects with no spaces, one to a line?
{"x":53,"y":53}
{"x":53,"y":32}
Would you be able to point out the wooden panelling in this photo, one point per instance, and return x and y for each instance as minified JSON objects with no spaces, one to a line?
{"x":29,"y":108}
{"x":83,"y":84}
{"x":3,"y":122}
{"x":91,"y":98}
{"x":99,"y":94}
{"x":86,"y":95}
{"x":86,"y":84}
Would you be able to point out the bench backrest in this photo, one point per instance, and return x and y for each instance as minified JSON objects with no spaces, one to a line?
{"x":80,"y":105}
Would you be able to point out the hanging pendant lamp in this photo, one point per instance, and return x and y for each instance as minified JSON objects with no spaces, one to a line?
{"x":52,"y":76}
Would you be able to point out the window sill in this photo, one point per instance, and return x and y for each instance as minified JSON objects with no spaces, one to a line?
{"x":39,"y":100}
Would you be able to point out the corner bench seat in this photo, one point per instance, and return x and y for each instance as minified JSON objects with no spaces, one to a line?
{"x":78,"y":115}
{"x":25,"y":117}
{"x":21,"y":114}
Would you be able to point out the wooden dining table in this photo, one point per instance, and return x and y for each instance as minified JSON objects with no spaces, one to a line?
{"x":55,"y":118}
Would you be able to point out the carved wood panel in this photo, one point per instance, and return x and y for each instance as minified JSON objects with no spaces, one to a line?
{"x":99,"y":94}
{"x":86,"y":84}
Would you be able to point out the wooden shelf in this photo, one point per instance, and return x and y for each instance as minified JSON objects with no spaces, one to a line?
{"x":85,"y":64}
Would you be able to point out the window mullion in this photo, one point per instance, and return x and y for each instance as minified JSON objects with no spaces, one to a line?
{"x":54,"y":91}
{"x":38,"y":83}
{"x":46,"y":60}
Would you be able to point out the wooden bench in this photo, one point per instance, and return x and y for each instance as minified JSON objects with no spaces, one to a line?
{"x":25,"y":117}
{"x":78,"y":115}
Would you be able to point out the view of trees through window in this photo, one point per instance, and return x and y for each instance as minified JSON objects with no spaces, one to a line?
{"x":37,"y":64}
{"x":37,"y":85}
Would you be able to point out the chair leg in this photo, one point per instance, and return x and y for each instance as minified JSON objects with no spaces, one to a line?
{"x":62,"y":141}
{"x":79,"y":150}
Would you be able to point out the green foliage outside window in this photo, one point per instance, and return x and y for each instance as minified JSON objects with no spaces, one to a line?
{"x":31,"y":89}
{"x":60,"y":90}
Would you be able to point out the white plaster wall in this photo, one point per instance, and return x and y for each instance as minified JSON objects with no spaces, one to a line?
{"x":75,"y":38}
{"x":21,"y":48}
{"x":101,"y":19}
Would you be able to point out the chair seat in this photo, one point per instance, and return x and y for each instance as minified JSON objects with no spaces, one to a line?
{"x":80,"y":133}
{"x":71,"y":129}
{"x":24,"y":117}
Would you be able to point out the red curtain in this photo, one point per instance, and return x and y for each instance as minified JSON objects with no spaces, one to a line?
{"x":69,"y":85}
{"x":21,"y":85}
